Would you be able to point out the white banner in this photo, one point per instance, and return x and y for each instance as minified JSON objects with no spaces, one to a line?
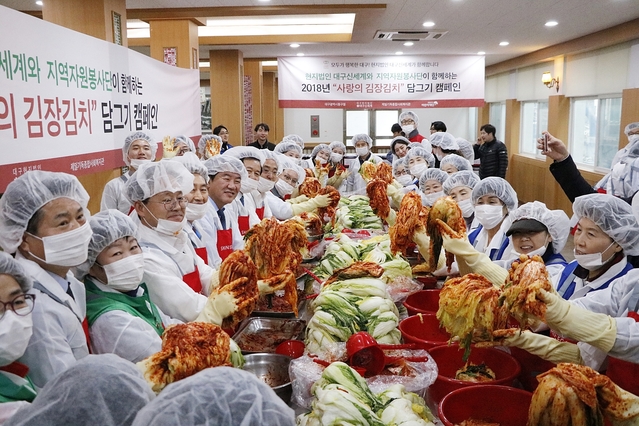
{"x":68,"y":100}
{"x":381,"y":82}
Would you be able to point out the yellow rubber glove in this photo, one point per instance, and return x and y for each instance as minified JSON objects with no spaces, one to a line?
{"x":218,"y":306}
{"x":422,"y":240}
{"x":296,"y":200}
{"x":598,"y":330}
{"x":470,"y":260}
{"x":394,"y":191}
{"x":391,"y":218}
{"x":336,"y":180}
{"x":168,"y":147}
{"x":544,"y":347}
{"x":312,"y":204}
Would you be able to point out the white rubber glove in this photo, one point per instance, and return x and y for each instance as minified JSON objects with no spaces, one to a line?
{"x":544,"y":347}
{"x":391,"y":218}
{"x":297,"y":200}
{"x":598,"y":330}
{"x":218,"y":306}
{"x":394,"y":191}
{"x":312,"y":204}
{"x":470,"y":260}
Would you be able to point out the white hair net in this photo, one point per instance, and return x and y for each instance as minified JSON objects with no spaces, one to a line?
{"x":286,"y":146}
{"x":108,"y":226}
{"x":153,"y":178}
{"x":337,"y":144}
{"x":362,"y":137}
{"x":411,"y":115}
{"x":201,"y":144}
{"x":185,"y":140}
{"x":287,"y":164}
{"x":444,"y":140}
{"x":275,"y":156}
{"x":193,"y":164}
{"x":225,"y":163}
{"x":134,"y":137}
{"x":103,"y":390}
{"x":614,"y":217}
{"x":242,"y":152}
{"x":294,"y":138}
{"x":396,"y":140}
{"x":556,"y":221}
{"x":466,"y":149}
{"x":26,"y":195}
{"x":460,"y":163}
{"x":498,"y":187}
{"x":420,"y":151}
{"x":321,"y":148}
{"x":217,"y":396}
{"x":432,"y":174}
{"x":630,"y":127}
{"x":399,"y":162}
{"x":9,"y":266}
{"x":463,"y":178}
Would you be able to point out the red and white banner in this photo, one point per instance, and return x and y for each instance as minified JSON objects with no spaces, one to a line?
{"x":68,"y":100}
{"x":381,"y":82}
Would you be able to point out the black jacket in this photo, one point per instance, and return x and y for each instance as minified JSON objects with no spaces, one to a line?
{"x":268,"y":145}
{"x":569,"y":178}
{"x":493,"y":158}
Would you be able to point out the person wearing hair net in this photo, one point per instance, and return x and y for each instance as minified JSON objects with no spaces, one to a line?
{"x":338,"y":169}
{"x":217,"y":396}
{"x":443,"y":144}
{"x":431,"y":185}
{"x":290,"y":149}
{"x":43,"y":221}
{"x":183,"y":144}
{"x":409,"y":122}
{"x":271,"y":169}
{"x":355,"y":183}
{"x":100,"y":390}
{"x":16,"y":323}
{"x":459,"y":186}
{"x":294,"y":138}
{"x":204,"y":153}
{"x":138,"y":149}
{"x":220,"y":225}
{"x":453,"y":163}
{"x":418,"y":159}
{"x":197,"y":198}
{"x":177,"y":278}
{"x":399,"y":146}
{"x":242,"y":209}
{"x":623,"y":179}
{"x":466,"y":149}
{"x":320,"y":156}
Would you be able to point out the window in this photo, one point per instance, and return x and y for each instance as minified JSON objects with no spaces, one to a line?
{"x":375,"y":123}
{"x":534,"y":120}
{"x":497,"y":116}
{"x":594,"y":130}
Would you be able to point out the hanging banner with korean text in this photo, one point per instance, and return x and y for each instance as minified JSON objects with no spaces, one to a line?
{"x":68,"y":100}
{"x":391,"y":82}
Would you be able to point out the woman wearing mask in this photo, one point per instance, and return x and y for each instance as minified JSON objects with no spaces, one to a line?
{"x":453,"y":163}
{"x":418,"y":159}
{"x":431,"y":184}
{"x":338,"y":169}
{"x":460,"y":187}
{"x":290,"y":149}
{"x":16,"y":324}
{"x":355,"y":183}
{"x":270,"y":171}
{"x":320,"y":156}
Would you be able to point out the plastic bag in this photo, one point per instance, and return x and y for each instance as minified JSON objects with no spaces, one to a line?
{"x":402,"y":287}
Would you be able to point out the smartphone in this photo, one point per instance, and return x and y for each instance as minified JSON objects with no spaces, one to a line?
{"x":545,"y":138}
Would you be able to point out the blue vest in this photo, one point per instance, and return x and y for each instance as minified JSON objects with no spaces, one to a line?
{"x":495,"y":254}
{"x":566,"y":285}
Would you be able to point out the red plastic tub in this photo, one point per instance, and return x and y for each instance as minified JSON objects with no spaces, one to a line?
{"x":493,"y":404}
{"x":423,"y":330}
{"x":428,"y":281}
{"x":449,"y":360}
{"x":423,"y":302}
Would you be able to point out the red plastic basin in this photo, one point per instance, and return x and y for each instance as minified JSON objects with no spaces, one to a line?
{"x":423,"y":330}
{"x":493,"y":404}
{"x":429,"y":282}
{"x":423,"y":302}
{"x":449,"y":360}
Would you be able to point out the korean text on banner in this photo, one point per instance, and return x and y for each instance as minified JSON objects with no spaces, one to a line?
{"x":381,"y":82}
{"x":68,"y":100}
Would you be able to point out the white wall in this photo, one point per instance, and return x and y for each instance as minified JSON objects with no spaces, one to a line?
{"x":456,"y":120}
{"x":298,"y":121}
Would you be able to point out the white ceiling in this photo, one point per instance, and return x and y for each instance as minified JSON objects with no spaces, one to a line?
{"x":472,"y":25}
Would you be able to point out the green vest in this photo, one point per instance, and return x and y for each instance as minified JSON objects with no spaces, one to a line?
{"x":99,"y":302}
{"x":11,"y":392}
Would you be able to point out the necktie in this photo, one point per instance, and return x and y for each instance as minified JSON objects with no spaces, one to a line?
{"x":69,"y":292}
{"x":220,"y":214}
{"x":196,"y":232}
{"x":242,"y":199}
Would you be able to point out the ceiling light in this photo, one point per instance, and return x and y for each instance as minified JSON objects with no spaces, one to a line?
{"x":551,"y":23}
{"x":481,"y":52}
{"x":295,"y":45}
{"x":300,"y":54}
{"x":39,"y":3}
{"x":408,"y":43}
{"x":429,"y":24}
{"x":269,"y":63}
{"x":205,"y":64}
{"x":504,"y":43}
{"x":236,"y":26}
{"x":399,"y":53}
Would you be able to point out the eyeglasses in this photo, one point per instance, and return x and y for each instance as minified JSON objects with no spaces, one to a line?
{"x":407,"y":121}
{"x":288,"y":179}
{"x":22,"y":305}
{"x":170,"y":203}
{"x":401,"y":172}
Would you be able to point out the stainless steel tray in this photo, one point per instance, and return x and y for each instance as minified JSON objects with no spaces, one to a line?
{"x":261,"y":334}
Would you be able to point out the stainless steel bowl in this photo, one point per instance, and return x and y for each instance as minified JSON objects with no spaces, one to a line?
{"x":315,"y":237}
{"x":272,"y":369}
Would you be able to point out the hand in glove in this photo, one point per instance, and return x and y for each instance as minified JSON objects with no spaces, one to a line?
{"x":537,"y":344}
{"x":394,"y":191}
{"x":337,"y":179}
{"x":312,"y":204}
{"x":168,"y":150}
{"x":297,"y":200}
{"x":230,"y":304}
{"x":598,"y":330}
{"x":470,"y":260}
{"x":391,"y":218}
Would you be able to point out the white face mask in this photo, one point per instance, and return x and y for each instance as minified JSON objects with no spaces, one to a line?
{"x":167,"y":227}
{"x":407,"y":129}
{"x":633,"y":138}
{"x":362,"y":151}
{"x":68,"y":249}
{"x":283,"y":188}
{"x":248,"y":185}
{"x":439,"y":156}
{"x":125,"y":274}
{"x":15,"y":332}
{"x":466,"y":207}
{"x":195,"y":211}
{"x":264,"y":185}
{"x":321,"y":160}
{"x":405,"y":179}
{"x":594,"y":260}
{"x":417,"y":169}
{"x":431,"y":198}
{"x":136,"y":163}
{"x":336,"y":158}
{"x":489,"y":216}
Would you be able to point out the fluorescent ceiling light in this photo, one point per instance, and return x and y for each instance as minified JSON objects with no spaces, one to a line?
{"x":205,"y":64}
{"x":429,"y":24}
{"x":504,"y":43}
{"x":551,"y":23}
{"x":269,"y":63}
{"x":399,"y":53}
{"x":295,"y":45}
{"x":481,"y":52}
{"x":39,"y":3}
{"x":408,"y":43}
{"x":334,"y":23}
{"x":300,"y":54}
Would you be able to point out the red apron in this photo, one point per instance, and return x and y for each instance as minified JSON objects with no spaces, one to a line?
{"x":243,"y":224}
{"x":260,"y":212}
{"x":625,"y":374}
{"x":193,"y":280}
{"x":224,"y":243}
{"x":201,"y":252}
